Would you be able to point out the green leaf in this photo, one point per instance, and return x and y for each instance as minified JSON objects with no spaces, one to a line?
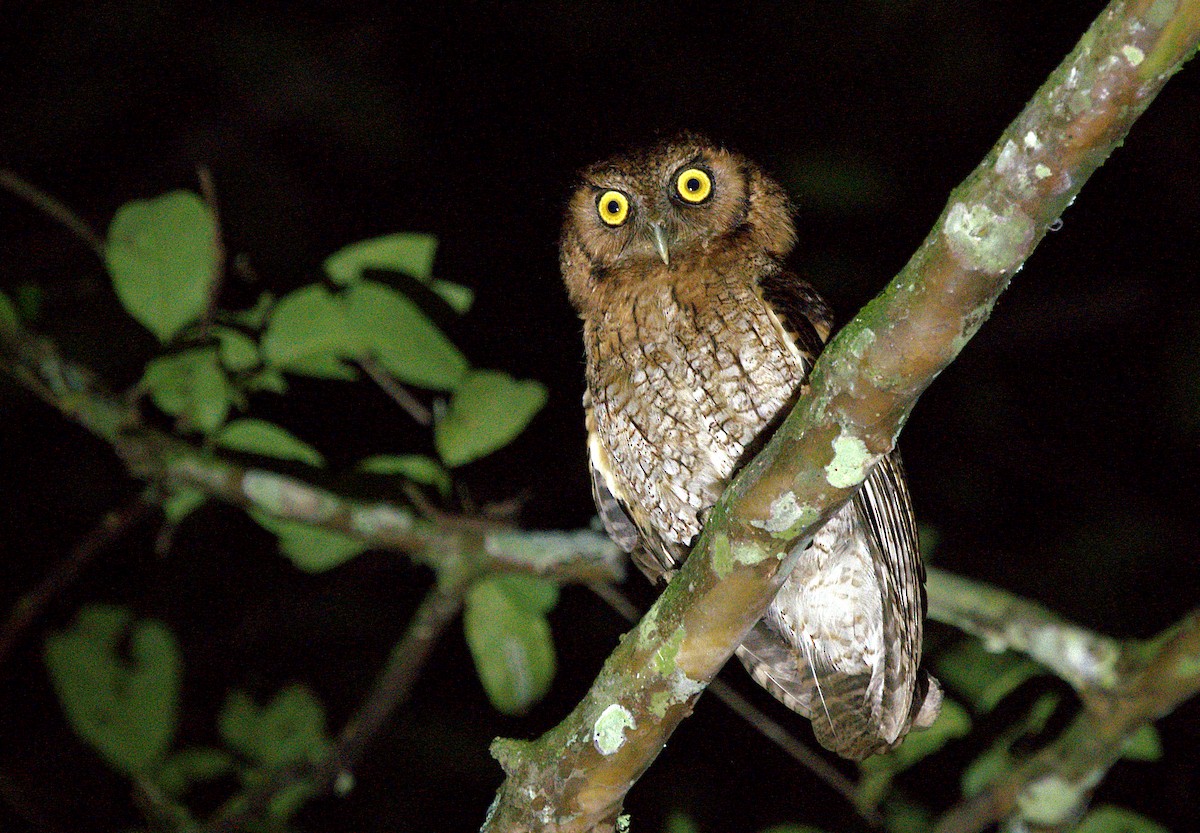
{"x":29,"y":301}
{"x":404,"y":252}
{"x":308,"y":332}
{"x":256,"y":436}
{"x":415,"y":467}
{"x":8,"y":315}
{"x":256,"y":316}
{"x":406,"y":342}
{"x":238,"y":351}
{"x":878,"y":771}
{"x":288,"y":730}
{"x":1143,"y":745}
{"x":118,"y":682}
{"x":487,"y":412}
{"x":192,"y":386}
{"x":268,"y":379}
{"x":537,"y":595}
{"x":192,"y":766}
{"x":181,"y":503}
{"x":161,"y":254}
{"x":985,"y":769}
{"x":1109,"y":819}
{"x":456,"y":295}
{"x":903,"y":816}
{"x":511,"y":646}
{"x":311,"y":549}
{"x":680,"y":822}
{"x":982,"y":677}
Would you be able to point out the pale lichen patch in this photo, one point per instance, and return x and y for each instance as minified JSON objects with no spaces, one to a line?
{"x":287,"y":498}
{"x":1132,"y":54}
{"x":787,"y":517}
{"x":608,"y":732}
{"x":985,"y":239}
{"x":1032,"y":142}
{"x":850,"y":462}
{"x":381,"y":519}
{"x":722,"y":555}
{"x":1041,"y":171}
{"x":1052,"y":800}
{"x":862,"y":339}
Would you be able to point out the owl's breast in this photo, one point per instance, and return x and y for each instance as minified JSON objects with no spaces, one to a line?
{"x":681,"y":386}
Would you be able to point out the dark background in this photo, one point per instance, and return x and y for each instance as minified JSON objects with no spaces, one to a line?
{"x":1057,"y":457}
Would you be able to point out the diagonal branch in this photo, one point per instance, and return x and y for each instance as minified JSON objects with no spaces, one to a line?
{"x":449,"y":542}
{"x":575,"y":777}
{"x":1053,"y":787}
{"x":1085,"y":659}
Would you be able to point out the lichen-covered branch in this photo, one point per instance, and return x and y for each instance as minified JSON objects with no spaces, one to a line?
{"x":1085,"y":659}
{"x":1052,"y":788}
{"x":447,"y":543}
{"x":575,"y":777}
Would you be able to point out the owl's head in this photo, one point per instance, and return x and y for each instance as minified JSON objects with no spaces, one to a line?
{"x":659,"y":211}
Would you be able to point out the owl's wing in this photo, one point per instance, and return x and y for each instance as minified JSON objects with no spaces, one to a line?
{"x":885,"y":506}
{"x":651,"y":555}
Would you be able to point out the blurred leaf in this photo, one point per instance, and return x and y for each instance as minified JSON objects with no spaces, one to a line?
{"x":456,"y":295}
{"x":537,"y":595}
{"x":903,"y":816}
{"x":118,"y":682}
{"x":403,"y":252}
{"x":1143,"y":745}
{"x":192,"y":766}
{"x":288,"y":730}
{"x":487,"y":412}
{"x":403,"y":338}
{"x":680,"y":822}
{"x":29,"y":301}
{"x":182,"y":502}
{"x":323,"y":367}
{"x":311,"y":549}
{"x":256,"y":436}
{"x":270,"y":380}
{"x":984,"y":770}
{"x":982,"y":677}
{"x":162,"y":257}
{"x":255,"y":317}
{"x":1109,"y":819}
{"x":238,"y":351}
{"x":879,"y":770}
{"x":192,"y":386}
{"x":8,"y":315}
{"x":308,"y":332}
{"x":415,"y":467}
{"x":511,"y":646}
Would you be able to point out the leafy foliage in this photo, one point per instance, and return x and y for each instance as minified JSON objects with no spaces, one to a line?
{"x":509,"y":637}
{"x":118,"y":682}
{"x":163,"y":260}
{"x":487,"y":412}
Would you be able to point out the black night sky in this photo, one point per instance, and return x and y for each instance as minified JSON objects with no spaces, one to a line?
{"x":1056,"y":458}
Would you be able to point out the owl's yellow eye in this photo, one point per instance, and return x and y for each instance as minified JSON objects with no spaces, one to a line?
{"x":613,"y":207}
{"x":694,"y":185}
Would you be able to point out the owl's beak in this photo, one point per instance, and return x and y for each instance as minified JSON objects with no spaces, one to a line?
{"x":660,"y":242}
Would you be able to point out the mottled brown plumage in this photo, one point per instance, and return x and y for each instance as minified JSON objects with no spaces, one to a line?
{"x":697,"y":340}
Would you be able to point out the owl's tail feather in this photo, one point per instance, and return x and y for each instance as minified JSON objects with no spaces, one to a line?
{"x":843,"y":719}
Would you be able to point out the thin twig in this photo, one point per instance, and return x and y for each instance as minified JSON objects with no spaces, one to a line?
{"x":209,"y":192}
{"x":437,"y":610}
{"x":415,"y":409}
{"x":29,"y":607}
{"x":52,"y":208}
{"x":743,"y":708}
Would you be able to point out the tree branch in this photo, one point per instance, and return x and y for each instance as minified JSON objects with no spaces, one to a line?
{"x":575,"y":777}
{"x":1053,"y":787}
{"x":449,"y":542}
{"x":437,"y":610}
{"x":1085,"y":659}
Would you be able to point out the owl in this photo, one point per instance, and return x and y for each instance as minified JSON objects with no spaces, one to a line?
{"x":698,"y":342}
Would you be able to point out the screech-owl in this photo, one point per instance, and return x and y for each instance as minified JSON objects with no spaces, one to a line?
{"x":698,"y":341}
